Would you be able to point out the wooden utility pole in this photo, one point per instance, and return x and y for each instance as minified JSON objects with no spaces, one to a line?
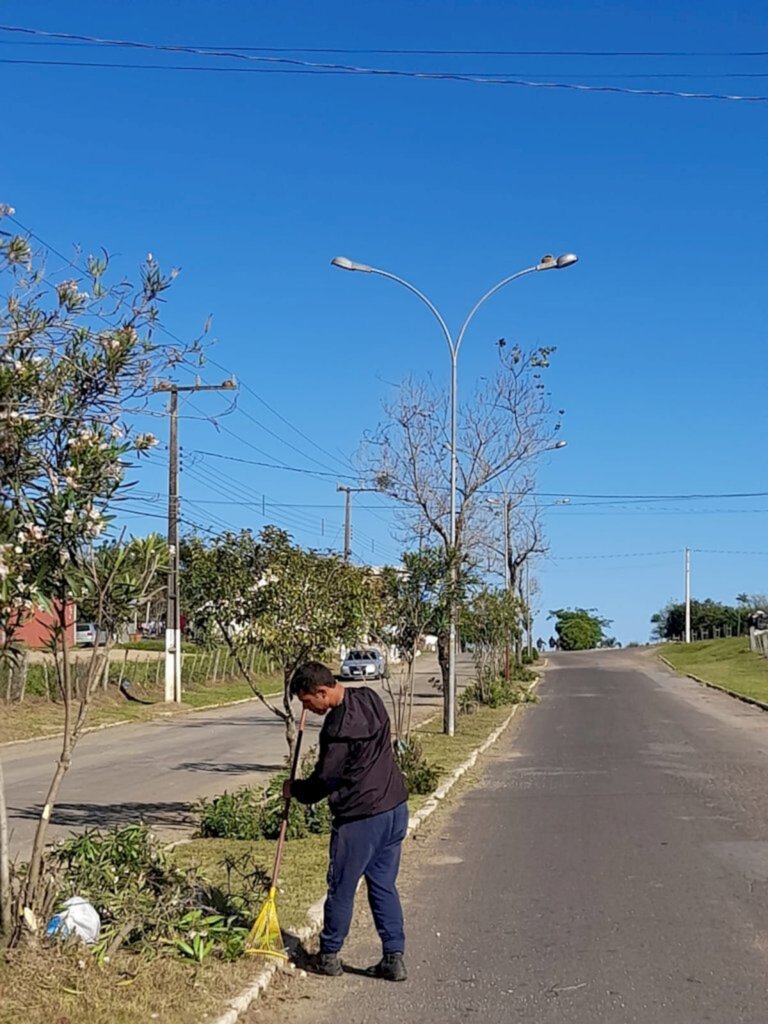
{"x":173,"y":607}
{"x":347,"y":520}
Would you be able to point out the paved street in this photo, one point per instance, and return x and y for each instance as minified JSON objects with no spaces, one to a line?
{"x":612,"y":869}
{"x":154,"y":772}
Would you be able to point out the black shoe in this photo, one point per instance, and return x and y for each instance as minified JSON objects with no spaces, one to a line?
{"x":328,"y":964}
{"x":391,"y":967}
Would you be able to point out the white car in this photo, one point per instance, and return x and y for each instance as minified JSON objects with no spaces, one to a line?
{"x":88,"y":634}
{"x":363,"y":663}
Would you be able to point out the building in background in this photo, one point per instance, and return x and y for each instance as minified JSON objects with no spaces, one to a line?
{"x":35,"y":630}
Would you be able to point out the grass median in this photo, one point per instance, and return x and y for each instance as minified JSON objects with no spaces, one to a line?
{"x":37,"y":717}
{"x":57,"y":983}
{"x":728,"y":663}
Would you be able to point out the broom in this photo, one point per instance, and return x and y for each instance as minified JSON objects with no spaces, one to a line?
{"x":265,"y":938}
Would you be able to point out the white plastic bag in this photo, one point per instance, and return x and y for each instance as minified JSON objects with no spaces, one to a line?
{"x":76,"y":916}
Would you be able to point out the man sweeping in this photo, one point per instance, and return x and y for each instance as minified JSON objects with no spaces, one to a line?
{"x":356,"y":770}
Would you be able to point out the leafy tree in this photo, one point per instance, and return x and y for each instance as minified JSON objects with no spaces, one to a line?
{"x":295,"y":604}
{"x":669,"y":623}
{"x":581,"y":629}
{"x":121,"y":562}
{"x":308,"y":604}
{"x":490,"y":623}
{"x":77,"y":359}
{"x":414,"y":601}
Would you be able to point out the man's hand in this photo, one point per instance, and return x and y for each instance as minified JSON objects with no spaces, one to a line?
{"x":287,"y":789}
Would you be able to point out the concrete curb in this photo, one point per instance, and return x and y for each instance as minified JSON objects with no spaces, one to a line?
{"x":717,"y":686}
{"x":243,"y":1000}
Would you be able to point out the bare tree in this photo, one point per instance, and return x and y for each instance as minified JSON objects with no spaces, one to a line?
{"x":5,"y":868}
{"x":503,"y":428}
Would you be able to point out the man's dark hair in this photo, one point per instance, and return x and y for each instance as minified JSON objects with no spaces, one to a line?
{"x":309,"y":677}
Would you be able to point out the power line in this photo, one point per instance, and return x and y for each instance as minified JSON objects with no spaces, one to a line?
{"x":488,"y":76}
{"x":268,"y":465}
{"x":345,"y":461}
{"x":73,"y":40}
{"x":636,"y":497}
{"x":295,"y":518}
{"x":650,"y":554}
{"x":349,"y":69}
{"x":712,"y":551}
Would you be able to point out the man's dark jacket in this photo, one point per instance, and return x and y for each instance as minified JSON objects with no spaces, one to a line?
{"x":356,"y":766}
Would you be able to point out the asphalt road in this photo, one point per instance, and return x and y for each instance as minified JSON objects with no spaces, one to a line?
{"x":154,"y":772}
{"x":611,"y":869}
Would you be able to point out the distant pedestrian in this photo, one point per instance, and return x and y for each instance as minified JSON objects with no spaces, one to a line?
{"x":540,"y":645}
{"x":552,"y":643}
{"x":356,"y":770}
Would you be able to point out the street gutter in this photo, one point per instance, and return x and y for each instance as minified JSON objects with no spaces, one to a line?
{"x":716,"y":686}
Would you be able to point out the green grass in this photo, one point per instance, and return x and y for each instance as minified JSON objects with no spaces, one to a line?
{"x":728,"y":663}
{"x":39,"y":717}
{"x":156,"y":644}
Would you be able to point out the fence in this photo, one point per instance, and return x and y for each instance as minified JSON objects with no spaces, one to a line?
{"x":22,"y":679}
{"x":713,"y":632}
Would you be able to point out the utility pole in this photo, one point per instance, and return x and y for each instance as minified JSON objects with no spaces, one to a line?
{"x":528,"y":609}
{"x":173,"y":607}
{"x":347,"y":520}
{"x":507,"y":580}
{"x":348,"y":492}
{"x":687,"y":595}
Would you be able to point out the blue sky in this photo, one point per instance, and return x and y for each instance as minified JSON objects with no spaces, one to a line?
{"x":252,"y":182}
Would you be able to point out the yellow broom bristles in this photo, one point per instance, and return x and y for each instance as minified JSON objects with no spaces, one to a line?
{"x":265,"y":938}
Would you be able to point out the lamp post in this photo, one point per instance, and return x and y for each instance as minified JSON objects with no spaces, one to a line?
{"x":545,"y":263}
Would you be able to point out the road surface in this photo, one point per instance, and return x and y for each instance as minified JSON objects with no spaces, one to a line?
{"x":154,"y":772}
{"x":611,"y":869}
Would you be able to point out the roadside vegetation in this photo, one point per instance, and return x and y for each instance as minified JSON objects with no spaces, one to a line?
{"x":728,"y":663}
{"x":175,"y":921}
{"x":80,"y":362}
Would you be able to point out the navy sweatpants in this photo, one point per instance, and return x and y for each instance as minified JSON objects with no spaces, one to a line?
{"x":369,"y":848}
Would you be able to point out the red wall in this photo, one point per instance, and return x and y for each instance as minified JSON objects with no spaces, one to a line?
{"x":35,"y":631}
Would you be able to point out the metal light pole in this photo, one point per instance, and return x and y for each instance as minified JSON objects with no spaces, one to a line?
{"x":546,"y":263}
{"x":528,"y":609}
{"x":507,"y":576}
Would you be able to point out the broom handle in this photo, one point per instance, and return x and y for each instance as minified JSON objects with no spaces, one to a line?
{"x":286,"y":809}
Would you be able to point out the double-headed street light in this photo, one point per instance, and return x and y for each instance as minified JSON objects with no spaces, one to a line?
{"x":547,"y":262}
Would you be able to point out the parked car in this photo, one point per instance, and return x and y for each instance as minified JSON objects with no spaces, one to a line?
{"x":363,"y":663}
{"x":88,"y":634}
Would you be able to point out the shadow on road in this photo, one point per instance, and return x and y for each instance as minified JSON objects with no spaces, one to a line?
{"x":109,"y":815}
{"x":226,"y":768}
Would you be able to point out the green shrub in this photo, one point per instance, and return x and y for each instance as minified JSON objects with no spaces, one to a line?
{"x":468,"y":700}
{"x":257,"y":814}
{"x":235,"y":815}
{"x":148,"y":904}
{"x":421,"y":777}
{"x":498,"y":693}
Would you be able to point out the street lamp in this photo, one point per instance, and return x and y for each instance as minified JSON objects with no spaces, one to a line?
{"x":547,"y":262}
